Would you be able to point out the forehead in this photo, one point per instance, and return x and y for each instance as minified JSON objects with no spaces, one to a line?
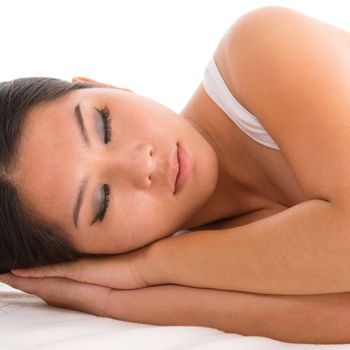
{"x":48,"y":154}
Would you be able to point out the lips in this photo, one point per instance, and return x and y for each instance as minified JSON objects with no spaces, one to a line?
{"x":178,"y":167}
{"x":185,"y":168}
{"x":174,"y":169}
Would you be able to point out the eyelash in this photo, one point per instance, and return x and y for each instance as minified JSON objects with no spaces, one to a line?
{"x":106,"y":203}
{"x":107,"y":124}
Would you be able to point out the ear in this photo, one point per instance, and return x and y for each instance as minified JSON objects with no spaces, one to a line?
{"x":97,"y":83}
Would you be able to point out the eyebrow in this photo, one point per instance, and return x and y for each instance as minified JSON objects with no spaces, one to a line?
{"x":80,"y":121}
{"x":83,"y":184}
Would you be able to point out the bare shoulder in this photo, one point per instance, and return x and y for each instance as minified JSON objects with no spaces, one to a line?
{"x":293,"y":73}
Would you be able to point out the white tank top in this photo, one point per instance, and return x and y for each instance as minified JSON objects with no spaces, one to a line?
{"x":216,"y":88}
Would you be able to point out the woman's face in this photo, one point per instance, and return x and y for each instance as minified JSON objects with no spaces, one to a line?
{"x":55,"y":163}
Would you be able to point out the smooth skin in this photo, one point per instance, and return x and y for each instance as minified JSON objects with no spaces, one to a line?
{"x":135,"y":164}
{"x":318,"y":319}
{"x":97,"y":286}
{"x":244,"y":313}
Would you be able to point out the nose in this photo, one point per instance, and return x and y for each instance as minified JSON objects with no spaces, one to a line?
{"x":134,"y":164}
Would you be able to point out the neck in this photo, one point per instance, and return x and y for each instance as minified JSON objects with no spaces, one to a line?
{"x":236,"y":191}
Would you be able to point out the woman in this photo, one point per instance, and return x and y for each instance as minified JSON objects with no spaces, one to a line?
{"x":261,"y":184}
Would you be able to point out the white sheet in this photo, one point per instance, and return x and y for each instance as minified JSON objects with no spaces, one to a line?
{"x":28,"y":323}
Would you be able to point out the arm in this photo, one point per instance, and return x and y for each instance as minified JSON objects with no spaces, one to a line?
{"x":297,"y":67}
{"x":317,"y":319}
{"x":301,"y":250}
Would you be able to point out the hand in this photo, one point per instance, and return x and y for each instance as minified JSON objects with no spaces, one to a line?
{"x":167,"y":305}
{"x":158,"y":305}
{"x":63,"y":292}
{"x":123,"y":271}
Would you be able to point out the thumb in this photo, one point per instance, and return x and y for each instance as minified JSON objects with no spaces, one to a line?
{"x":111,"y":271}
{"x":70,"y":269}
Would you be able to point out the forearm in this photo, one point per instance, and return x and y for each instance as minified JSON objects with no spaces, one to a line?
{"x":300,"y":319}
{"x":302,"y":250}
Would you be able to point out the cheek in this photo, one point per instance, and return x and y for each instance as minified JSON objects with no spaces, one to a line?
{"x":139,"y":219}
{"x":151,"y":123}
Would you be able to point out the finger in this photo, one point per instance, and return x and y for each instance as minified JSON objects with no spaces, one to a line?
{"x":67,"y":269}
{"x":113,"y":271}
{"x":13,"y":281}
{"x":27,"y":285}
{"x":61,"y":292}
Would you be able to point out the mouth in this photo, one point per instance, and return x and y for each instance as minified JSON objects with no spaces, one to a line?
{"x":185,"y":169}
{"x":178,"y":169}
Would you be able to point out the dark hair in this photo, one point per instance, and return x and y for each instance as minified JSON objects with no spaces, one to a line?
{"x":25,"y":240}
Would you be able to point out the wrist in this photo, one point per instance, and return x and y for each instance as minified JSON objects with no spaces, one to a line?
{"x":151,"y":265}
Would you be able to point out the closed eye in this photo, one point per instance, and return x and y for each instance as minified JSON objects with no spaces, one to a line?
{"x":102,"y":212}
{"x":106,"y":118}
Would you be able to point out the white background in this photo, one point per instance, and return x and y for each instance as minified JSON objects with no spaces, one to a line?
{"x":158,"y":49}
